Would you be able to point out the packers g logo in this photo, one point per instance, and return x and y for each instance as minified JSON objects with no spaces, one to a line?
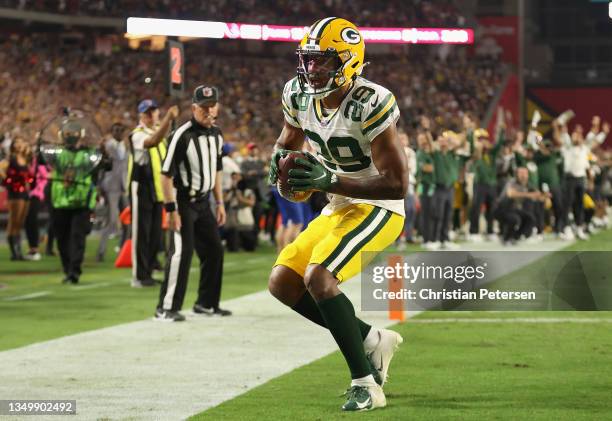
{"x":350,"y":36}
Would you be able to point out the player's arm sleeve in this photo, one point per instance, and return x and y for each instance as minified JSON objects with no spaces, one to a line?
{"x":289,"y":103}
{"x":169,"y":165}
{"x":379,"y":117}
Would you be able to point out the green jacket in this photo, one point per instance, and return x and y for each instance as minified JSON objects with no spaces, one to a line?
{"x":425,"y":180}
{"x":484,"y":167}
{"x":72,"y":185}
{"x":548,"y":168}
{"x":446,"y":168}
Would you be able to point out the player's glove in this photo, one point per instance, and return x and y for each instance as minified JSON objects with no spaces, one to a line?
{"x":314,"y":176}
{"x":273,"y":173}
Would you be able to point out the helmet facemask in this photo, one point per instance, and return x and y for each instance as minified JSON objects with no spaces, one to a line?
{"x":306,"y":79}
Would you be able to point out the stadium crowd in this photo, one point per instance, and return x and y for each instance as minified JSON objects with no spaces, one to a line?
{"x":441,"y":86}
{"x":396,"y":12}
{"x":524,"y":184}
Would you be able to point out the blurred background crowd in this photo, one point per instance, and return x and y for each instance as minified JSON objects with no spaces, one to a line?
{"x":388,"y":13}
{"x":511,"y":184}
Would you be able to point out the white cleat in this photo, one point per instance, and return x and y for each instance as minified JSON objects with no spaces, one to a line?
{"x":581,"y":234}
{"x":364,"y":398}
{"x":379,"y":400}
{"x":567,"y":234}
{"x":475,"y":238}
{"x":383,"y":352}
{"x":492,"y":237}
{"x":432,"y":246}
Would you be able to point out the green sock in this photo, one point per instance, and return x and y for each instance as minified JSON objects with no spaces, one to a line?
{"x":339,"y":315}
{"x":308,"y":308}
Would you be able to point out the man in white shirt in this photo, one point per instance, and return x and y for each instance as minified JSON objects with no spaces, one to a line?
{"x":576,"y":153}
{"x":112,"y":185}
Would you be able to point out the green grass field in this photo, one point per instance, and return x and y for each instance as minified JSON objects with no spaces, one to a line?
{"x":103,"y":297}
{"x":457,"y":371}
{"x":444,"y":370}
{"x":473,"y":371}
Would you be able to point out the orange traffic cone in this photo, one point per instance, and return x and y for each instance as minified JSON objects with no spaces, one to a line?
{"x":124,"y":259}
{"x":126,"y":216}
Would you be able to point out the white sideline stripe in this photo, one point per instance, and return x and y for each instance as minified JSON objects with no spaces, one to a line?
{"x":512,"y":320}
{"x":90,"y":286}
{"x":134,"y":213}
{"x":169,"y":371}
{"x":175,"y":264}
{"x":28,"y":296}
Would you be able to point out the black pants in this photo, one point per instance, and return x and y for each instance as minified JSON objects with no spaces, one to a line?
{"x":71,"y":229}
{"x":31,"y":223}
{"x":536,"y":209}
{"x":240,"y":238}
{"x":574,"y":197}
{"x":442,"y":212}
{"x":258,"y":211}
{"x":515,"y":222}
{"x":483,"y":194}
{"x":146,"y":232}
{"x":426,"y":219}
{"x":558,"y":209}
{"x":199,"y":230}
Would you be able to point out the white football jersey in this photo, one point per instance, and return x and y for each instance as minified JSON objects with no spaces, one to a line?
{"x":342,"y":137}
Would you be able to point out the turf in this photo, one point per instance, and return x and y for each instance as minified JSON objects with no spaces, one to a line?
{"x":104,"y":296}
{"x":456,"y":371}
{"x":449,"y":370}
{"x":444,"y":370}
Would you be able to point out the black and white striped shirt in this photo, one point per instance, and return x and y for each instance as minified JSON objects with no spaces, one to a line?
{"x":193,"y":159}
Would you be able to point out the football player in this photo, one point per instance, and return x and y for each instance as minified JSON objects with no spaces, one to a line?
{"x":350,"y":123}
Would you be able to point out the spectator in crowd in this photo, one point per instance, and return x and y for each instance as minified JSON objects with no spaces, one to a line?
{"x":548,"y":158}
{"x":601,"y":184}
{"x":254,"y":172}
{"x":17,"y":177}
{"x":426,"y":187}
{"x":515,"y":218}
{"x":576,"y":152}
{"x":239,"y":228}
{"x":292,"y":220}
{"x":505,"y":164}
{"x":230,"y":165}
{"x":446,"y":164}
{"x":112,"y":185}
{"x":440,"y":88}
{"x":525,"y":158}
{"x":484,"y":158}
{"x":393,"y":12}
{"x":37,"y":198}
{"x":410,"y":200}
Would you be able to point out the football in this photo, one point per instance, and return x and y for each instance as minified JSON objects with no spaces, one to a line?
{"x":285,"y":164}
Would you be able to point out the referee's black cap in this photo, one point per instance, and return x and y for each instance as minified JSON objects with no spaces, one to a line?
{"x":205,"y":95}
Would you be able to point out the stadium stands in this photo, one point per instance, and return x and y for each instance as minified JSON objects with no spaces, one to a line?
{"x":395,"y":12}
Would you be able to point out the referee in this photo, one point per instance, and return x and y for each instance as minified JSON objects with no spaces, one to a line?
{"x":193,"y":169}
